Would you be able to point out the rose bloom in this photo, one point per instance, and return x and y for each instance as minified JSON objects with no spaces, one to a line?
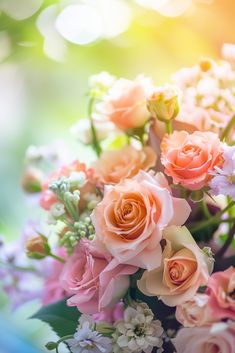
{"x":130,"y":218}
{"x":96,"y":280}
{"x":190,"y":158}
{"x":219,"y":338}
{"x":115,"y":166}
{"x":183,"y":269}
{"x":52,"y":289}
{"x":125,"y":103}
{"x":221,"y":291}
{"x":48,"y":198}
{"x":110,"y":315}
{"x":195,"y":312}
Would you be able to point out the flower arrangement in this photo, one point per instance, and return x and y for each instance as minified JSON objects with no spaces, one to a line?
{"x":137,"y":253}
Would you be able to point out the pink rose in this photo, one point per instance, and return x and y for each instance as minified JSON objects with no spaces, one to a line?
{"x":125,"y":103}
{"x":110,"y":315}
{"x":195,"y":312}
{"x":219,"y":338}
{"x":115,"y":166}
{"x":183,"y":270}
{"x":52,"y":290}
{"x":221,"y":291}
{"x":190,"y":158}
{"x":96,"y":280}
{"x":130,"y":218}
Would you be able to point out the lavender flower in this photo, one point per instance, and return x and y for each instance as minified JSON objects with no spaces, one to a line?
{"x":87,"y":340}
{"x":223,"y":182}
{"x":20,"y":279}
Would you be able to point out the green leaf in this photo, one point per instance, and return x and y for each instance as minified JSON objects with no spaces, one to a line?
{"x":62,"y":318}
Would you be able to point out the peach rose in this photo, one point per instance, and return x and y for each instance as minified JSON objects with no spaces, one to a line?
{"x":48,"y":198}
{"x":189,"y":158}
{"x":115,"y":166}
{"x":96,"y":280}
{"x":195,"y":312}
{"x":183,"y":270}
{"x":130,"y":218}
{"x":125,"y":103}
{"x":219,"y":338}
{"x":221,"y":290}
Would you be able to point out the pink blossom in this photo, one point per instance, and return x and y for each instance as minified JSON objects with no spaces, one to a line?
{"x":219,"y":338}
{"x":96,"y":280}
{"x":53,"y":290}
{"x":195,"y":312}
{"x":110,"y":315}
{"x":221,"y":290}
{"x":48,"y":198}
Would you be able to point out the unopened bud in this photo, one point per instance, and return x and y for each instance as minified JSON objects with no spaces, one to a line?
{"x":50,"y":346}
{"x":31,"y":181}
{"x":164,"y":103}
{"x":37,"y":247}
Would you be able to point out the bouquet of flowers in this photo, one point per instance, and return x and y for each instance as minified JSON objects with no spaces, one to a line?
{"x":137,"y":251}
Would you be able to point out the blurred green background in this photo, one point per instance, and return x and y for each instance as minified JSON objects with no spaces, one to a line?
{"x":48,"y":49}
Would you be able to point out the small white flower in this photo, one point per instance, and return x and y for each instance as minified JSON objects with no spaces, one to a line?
{"x":57,"y":210}
{"x":102,"y":81}
{"x":82,"y":130}
{"x":138,"y":331}
{"x":77,"y":179}
{"x":86,"y":340}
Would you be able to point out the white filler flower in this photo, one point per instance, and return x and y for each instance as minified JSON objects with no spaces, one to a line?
{"x":138,"y":331}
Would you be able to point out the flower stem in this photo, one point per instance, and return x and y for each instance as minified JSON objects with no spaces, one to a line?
{"x":214,"y":220}
{"x":168,"y":127}
{"x":95,"y":141}
{"x":229,"y":126}
{"x":227,"y":243}
{"x":60,"y":259}
{"x":18,"y":268}
{"x":205,"y":209}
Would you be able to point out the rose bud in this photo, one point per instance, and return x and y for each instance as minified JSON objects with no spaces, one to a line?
{"x":31,"y":181}
{"x":37,"y":247}
{"x":164,"y":103}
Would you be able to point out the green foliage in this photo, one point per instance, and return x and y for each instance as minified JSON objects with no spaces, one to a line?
{"x":62,"y":318}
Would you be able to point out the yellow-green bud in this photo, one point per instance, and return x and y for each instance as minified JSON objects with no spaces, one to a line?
{"x":164,"y":103}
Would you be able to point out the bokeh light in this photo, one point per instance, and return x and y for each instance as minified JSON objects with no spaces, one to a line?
{"x":171,"y":8}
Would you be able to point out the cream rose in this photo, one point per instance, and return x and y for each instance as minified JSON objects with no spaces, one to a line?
{"x":183,"y":270}
{"x":115,"y":166}
{"x":195,"y":312}
{"x":132,"y":215}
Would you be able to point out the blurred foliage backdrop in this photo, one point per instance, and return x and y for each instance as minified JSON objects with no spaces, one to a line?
{"x":49,"y":48}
